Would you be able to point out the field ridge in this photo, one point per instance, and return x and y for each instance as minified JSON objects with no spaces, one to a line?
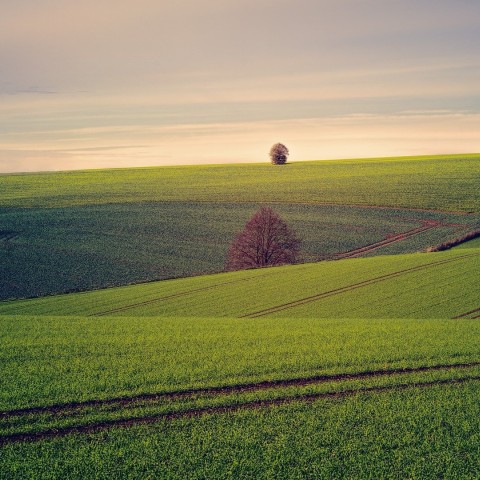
{"x":337,"y":291}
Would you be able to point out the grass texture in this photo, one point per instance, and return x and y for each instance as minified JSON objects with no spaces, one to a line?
{"x":355,"y":368}
{"x":426,"y":285}
{"x":418,"y":433}
{"x":152,"y":396}
{"x":448,"y":183}
{"x":73,"y":231}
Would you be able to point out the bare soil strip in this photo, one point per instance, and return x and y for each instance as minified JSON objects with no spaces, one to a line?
{"x":254,"y":404}
{"x":467,"y":314}
{"x":426,"y":225}
{"x":65,"y":408}
{"x":337,"y":291}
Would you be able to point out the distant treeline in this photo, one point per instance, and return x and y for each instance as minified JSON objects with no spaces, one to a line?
{"x":454,"y":243}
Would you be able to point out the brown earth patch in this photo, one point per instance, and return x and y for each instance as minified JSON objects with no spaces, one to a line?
{"x":390,"y":239}
{"x":470,"y":314}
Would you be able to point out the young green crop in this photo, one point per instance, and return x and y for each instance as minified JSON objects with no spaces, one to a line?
{"x":434,"y":182}
{"x":101,"y":415}
{"x":53,"y":250}
{"x":176,"y":335}
{"x":84,"y":230}
{"x":475,"y":243}
{"x":423,"y":433}
{"x":49,"y":360}
{"x":435,"y":285}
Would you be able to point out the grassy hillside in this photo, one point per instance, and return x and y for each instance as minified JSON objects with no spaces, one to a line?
{"x":448,"y":183}
{"x":122,"y":380}
{"x":90,"y":229}
{"x":360,"y":367}
{"x":55,"y":361}
{"x":45,"y":251}
{"x":475,"y":243}
{"x":435,"y":285}
{"x":418,"y":433}
{"x":150,"y":395}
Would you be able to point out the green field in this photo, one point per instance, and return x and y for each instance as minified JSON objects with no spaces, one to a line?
{"x":139,"y":379}
{"x":448,"y":183}
{"x":84,"y":230}
{"x":475,"y":243}
{"x":434,"y":285}
{"x":68,"y":359}
{"x":418,"y":433}
{"x":347,"y":368}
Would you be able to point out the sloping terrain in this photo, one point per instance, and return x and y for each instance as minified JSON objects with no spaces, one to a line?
{"x":446,"y":183}
{"x":106,"y":383}
{"x":74,"y":231}
{"x":433,"y":285}
{"x":76,"y":380}
{"x":355,"y":367}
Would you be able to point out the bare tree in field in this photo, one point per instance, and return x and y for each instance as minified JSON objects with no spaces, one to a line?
{"x":265,"y":241}
{"x":279,"y":154}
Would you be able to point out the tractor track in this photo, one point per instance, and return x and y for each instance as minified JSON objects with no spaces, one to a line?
{"x":52,"y":433}
{"x":8,"y":235}
{"x":254,"y":315}
{"x":468,"y":314}
{"x":427,"y":225}
{"x":174,"y":295}
{"x":340,"y":290}
{"x":229,"y":389}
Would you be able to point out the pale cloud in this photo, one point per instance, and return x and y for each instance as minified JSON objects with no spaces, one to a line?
{"x":406,"y":133}
{"x":141,"y":82}
{"x":64,"y":45}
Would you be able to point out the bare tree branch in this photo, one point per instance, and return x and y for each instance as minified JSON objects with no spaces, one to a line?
{"x":265,"y":241}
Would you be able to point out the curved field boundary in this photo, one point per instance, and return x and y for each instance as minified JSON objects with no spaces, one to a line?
{"x":196,"y":412}
{"x":463,"y":213}
{"x":337,"y":291}
{"x":238,"y":388}
{"x":470,"y":314}
{"x":173,"y":295}
{"x":426,"y":225}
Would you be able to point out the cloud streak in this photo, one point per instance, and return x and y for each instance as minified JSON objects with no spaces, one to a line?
{"x":406,"y":133}
{"x":77,"y":78}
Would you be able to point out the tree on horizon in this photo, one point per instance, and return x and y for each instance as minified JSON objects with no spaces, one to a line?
{"x":279,"y":154}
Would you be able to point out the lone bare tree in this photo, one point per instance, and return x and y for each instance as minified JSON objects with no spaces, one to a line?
{"x":266,"y":240}
{"x":279,"y":154}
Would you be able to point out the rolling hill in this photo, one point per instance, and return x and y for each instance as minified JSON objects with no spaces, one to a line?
{"x":352,"y":367}
{"x":71,"y":231}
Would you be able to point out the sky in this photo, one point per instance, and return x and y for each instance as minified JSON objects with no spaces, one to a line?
{"x":121,"y":83}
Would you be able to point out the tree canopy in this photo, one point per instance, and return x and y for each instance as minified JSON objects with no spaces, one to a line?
{"x":279,"y":154}
{"x":266,"y":240}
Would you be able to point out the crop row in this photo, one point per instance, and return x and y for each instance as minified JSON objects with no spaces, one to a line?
{"x":445,"y":183}
{"x":414,"y":432}
{"x":390,"y":286}
{"x":51,"y":360}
